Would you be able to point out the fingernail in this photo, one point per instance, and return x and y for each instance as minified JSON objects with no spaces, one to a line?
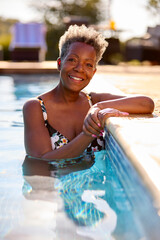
{"x":102,"y":131}
{"x":101,"y":134}
{"x":93,"y":135}
{"x":99,"y":125}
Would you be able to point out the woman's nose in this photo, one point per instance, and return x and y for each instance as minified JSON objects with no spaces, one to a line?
{"x":79,"y":67}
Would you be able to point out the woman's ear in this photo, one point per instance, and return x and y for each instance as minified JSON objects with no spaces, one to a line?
{"x":95,"y":70}
{"x":59,"y":63}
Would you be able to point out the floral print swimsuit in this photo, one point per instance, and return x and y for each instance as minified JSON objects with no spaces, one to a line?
{"x":58,"y":140}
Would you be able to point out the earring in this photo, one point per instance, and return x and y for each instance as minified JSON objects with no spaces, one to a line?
{"x":59,"y":63}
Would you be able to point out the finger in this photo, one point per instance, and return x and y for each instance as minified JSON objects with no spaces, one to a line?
{"x":121,"y":114}
{"x":124,"y":113}
{"x":103,"y":121}
{"x":88,"y":133}
{"x":91,"y":129}
{"x":94,"y":117}
{"x":93,"y":124}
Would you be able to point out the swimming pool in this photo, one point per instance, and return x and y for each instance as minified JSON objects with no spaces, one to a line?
{"x":89,"y":197}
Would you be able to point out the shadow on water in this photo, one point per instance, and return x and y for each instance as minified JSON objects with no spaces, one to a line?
{"x":56,"y":168}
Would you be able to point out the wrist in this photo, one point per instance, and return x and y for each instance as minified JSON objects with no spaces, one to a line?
{"x":97,"y":105}
{"x":88,"y":136}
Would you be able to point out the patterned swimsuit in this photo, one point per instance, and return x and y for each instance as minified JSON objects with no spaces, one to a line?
{"x":58,"y":140}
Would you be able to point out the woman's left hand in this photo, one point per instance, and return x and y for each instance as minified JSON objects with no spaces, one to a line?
{"x":109,"y":112}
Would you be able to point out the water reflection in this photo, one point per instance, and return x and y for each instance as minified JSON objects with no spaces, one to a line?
{"x":80,"y":184}
{"x":37,"y":166}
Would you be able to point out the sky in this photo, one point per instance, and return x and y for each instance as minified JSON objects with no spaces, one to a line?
{"x":130,"y":16}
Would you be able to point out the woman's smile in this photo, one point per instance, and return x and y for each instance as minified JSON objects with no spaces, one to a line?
{"x":76,"y":78}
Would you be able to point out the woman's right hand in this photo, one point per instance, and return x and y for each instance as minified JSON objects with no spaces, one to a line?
{"x":91,"y":125}
{"x":95,"y":120}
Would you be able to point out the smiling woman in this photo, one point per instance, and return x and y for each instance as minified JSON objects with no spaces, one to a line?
{"x":65,"y":122}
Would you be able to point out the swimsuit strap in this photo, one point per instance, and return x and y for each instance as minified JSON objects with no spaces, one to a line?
{"x":89,"y":98}
{"x":43,"y":110}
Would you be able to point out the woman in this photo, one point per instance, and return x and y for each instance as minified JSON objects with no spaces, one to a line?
{"x":63,"y":122}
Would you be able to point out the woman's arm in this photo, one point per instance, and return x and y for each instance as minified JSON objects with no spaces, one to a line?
{"x":72,"y":149}
{"x":134,"y":104}
{"x":37,"y":139}
{"x":113,"y":105}
{"x":130,"y":104}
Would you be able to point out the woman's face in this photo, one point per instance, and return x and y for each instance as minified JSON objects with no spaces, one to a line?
{"x":78,"y":66}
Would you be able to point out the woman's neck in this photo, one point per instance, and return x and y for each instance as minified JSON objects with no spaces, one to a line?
{"x":66,"y":95}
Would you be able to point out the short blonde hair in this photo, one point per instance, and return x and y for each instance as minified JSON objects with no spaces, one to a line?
{"x":83,"y":34}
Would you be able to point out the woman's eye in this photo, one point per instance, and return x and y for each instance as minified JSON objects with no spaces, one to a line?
{"x":71,"y":59}
{"x":89,"y":65}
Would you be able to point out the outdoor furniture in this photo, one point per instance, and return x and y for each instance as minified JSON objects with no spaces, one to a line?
{"x":145,"y":48}
{"x":1,"y":53}
{"x":28,"y":42}
{"x":112,"y":50}
{"x":78,"y":20}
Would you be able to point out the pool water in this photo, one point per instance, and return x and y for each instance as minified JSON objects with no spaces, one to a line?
{"x":96,"y":196}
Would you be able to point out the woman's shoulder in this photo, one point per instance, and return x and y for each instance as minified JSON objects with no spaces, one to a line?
{"x":35,"y":102}
{"x":31,"y":105}
{"x":31,"y":102}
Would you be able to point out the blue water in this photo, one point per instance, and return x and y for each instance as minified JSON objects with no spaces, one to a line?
{"x":96,"y":196}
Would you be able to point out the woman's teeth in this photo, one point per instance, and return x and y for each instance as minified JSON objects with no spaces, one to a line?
{"x":76,"y":78}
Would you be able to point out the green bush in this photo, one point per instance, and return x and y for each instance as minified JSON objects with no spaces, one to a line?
{"x":5,"y":40}
{"x":52,"y":39}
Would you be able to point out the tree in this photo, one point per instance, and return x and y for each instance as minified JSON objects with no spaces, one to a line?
{"x":54,"y":12}
{"x":154,"y":6}
{"x":5,"y":35}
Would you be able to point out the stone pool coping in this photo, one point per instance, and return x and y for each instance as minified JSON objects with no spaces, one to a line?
{"x":139,"y":138}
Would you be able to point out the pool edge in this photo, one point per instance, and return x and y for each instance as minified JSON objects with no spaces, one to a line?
{"x":133,"y":143}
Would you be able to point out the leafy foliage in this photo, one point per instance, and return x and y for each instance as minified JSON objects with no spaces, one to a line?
{"x":54,"y":11}
{"x":154,"y":6}
{"x":5,"y":35}
{"x":52,"y":39}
